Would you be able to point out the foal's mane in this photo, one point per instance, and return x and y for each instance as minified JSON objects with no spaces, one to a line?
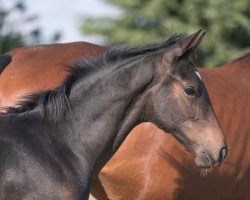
{"x":55,"y":103}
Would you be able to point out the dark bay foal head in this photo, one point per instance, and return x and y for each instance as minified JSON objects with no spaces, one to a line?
{"x":178,"y":103}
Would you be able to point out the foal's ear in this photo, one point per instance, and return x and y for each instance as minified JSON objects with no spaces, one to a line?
{"x":184,"y":46}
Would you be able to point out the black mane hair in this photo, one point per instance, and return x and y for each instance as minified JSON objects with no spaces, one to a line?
{"x":55,"y":103}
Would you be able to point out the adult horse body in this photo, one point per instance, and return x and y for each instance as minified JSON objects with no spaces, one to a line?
{"x":54,"y":144}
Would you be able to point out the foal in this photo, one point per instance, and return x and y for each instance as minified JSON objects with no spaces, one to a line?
{"x":52,"y":146}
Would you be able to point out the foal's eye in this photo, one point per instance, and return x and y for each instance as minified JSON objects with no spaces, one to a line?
{"x":190,"y":91}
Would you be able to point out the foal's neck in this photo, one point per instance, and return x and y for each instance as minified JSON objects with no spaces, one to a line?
{"x":105,"y":107}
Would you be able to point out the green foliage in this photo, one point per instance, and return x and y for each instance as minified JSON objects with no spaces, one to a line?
{"x":12,"y":33}
{"x":8,"y":37}
{"x":8,"y":42}
{"x":227,"y":24}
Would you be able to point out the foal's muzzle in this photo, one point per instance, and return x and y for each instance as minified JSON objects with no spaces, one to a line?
{"x":206,"y":160}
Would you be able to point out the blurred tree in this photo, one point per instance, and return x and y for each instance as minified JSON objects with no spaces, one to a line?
{"x":17,"y":29}
{"x":227,"y":25}
{"x":9,"y":38}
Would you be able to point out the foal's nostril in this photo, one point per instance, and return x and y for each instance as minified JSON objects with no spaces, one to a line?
{"x":223,"y":154}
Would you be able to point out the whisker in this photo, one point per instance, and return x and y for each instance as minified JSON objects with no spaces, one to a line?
{"x":209,"y":161}
{"x":203,"y":173}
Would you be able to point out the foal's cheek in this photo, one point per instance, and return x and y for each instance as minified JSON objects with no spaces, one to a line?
{"x":160,"y":108}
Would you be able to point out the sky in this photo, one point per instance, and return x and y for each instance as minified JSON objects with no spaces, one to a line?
{"x":65,"y":16}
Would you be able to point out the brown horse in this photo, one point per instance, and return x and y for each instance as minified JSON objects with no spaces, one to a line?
{"x":145,"y":177}
{"x":31,"y":69}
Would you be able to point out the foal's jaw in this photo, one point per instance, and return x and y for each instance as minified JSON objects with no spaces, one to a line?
{"x":208,"y":151}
